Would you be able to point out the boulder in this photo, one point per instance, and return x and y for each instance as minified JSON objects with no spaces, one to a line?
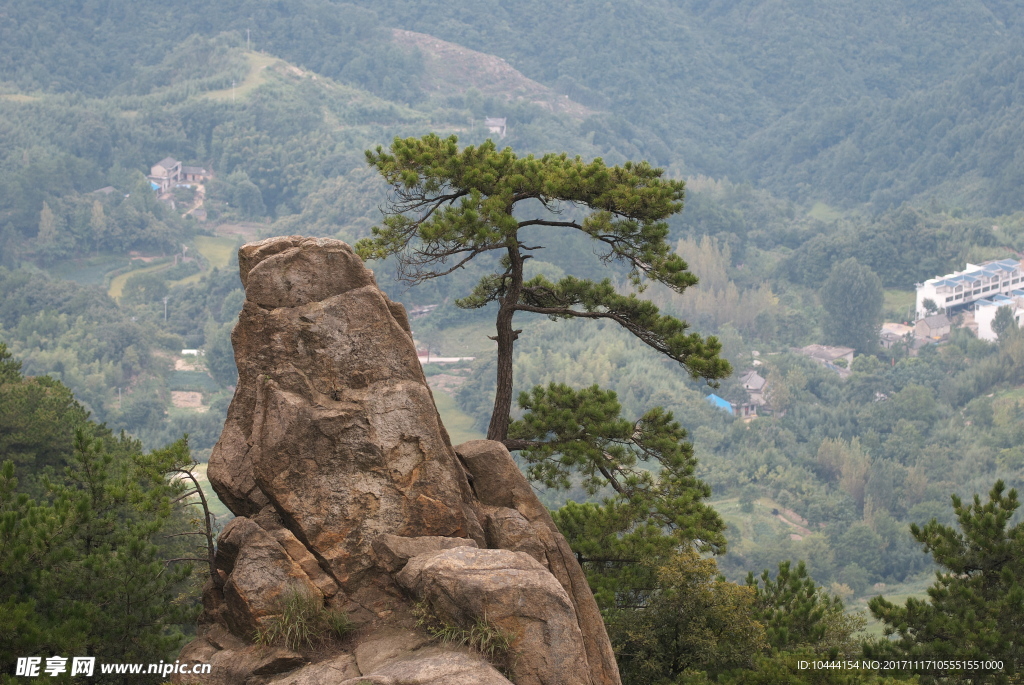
{"x":258,"y":572}
{"x":434,"y":666}
{"x":511,"y":511}
{"x":394,"y":551}
{"x":331,"y":392}
{"x":237,"y":665}
{"x":345,"y":484}
{"x":339,"y":669}
{"x":512,"y":592}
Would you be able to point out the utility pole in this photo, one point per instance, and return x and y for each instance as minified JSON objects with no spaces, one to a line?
{"x":165,"y":307}
{"x":247,"y":40}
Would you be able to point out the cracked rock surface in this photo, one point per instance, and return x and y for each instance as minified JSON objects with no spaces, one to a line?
{"x":345,"y":485}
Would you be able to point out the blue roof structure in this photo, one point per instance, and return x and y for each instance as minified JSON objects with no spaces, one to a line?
{"x":985,"y":271}
{"x":718,"y":402}
{"x":995,"y":300}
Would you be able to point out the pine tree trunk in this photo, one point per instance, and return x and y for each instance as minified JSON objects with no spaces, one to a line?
{"x":498,"y":428}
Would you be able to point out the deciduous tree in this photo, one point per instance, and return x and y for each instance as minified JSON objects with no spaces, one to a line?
{"x":1004,"y":323}
{"x":696,"y":621}
{"x":853,"y":299}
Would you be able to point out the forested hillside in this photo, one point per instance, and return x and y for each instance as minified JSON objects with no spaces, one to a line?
{"x":846,"y":102}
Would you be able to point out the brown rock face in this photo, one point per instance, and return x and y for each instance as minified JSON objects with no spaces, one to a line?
{"x":516,"y":520}
{"x":516,"y":594}
{"x":341,"y":475}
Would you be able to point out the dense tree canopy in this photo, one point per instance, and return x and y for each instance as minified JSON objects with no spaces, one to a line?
{"x":853,"y":298}
{"x":797,"y":613}
{"x":87,"y":533}
{"x":696,"y":621}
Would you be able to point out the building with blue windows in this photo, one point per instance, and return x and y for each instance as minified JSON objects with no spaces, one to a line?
{"x":960,"y":290}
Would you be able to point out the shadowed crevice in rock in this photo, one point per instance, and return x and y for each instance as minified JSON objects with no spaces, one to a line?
{"x":346,"y":485}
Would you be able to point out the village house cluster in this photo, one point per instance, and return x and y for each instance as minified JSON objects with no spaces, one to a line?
{"x":971,"y":298}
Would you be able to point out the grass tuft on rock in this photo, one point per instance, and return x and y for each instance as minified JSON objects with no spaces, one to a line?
{"x":303,"y":622}
{"x":491,"y":641}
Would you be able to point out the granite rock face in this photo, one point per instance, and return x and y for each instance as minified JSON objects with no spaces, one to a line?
{"x":517,"y":595}
{"x":345,"y":485}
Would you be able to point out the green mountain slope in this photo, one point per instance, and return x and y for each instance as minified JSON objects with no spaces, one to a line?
{"x":801,"y":97}
{"x":848,"y":102}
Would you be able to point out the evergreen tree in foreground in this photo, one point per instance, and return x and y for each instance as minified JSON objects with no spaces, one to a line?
{"x":84,"y":572}
{"x":975,"y":609}
{"x":799,"y":614}
{"x":657,"y":506}
{"x":86,"y":548}
{"x":449,"y":206}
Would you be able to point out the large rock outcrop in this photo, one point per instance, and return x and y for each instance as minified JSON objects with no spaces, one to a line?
{"x":346,"y":486}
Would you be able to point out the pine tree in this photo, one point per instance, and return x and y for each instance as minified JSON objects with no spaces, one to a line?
{"x":449,"y":206}
{"x":86,"y":551}
{"x":84,"y":571}
{"x":975,"y":609}
{"x":800,"y":614}
{"x":656,"y":507}
{"x":38,"y":417}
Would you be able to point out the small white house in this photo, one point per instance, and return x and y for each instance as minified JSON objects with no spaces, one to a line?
{"x":165,"y":173}
{"x":169,"y":172}
{"x":754,"y":384}
{"x":985,"y":312}
{"x":837,"y":359}
{"x":496,"y":125}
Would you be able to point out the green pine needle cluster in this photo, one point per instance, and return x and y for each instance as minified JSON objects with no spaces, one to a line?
{"x":975,"y":609}
{"x":87,"y":553}
{"x":655,"y":506}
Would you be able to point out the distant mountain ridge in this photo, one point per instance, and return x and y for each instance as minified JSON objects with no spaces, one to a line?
{"x":767,"y":90}
{"x":847,"y":102}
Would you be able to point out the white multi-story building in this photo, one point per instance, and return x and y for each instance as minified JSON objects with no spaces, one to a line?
{"x":977,"y":282}
{"x":986,"y":310}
